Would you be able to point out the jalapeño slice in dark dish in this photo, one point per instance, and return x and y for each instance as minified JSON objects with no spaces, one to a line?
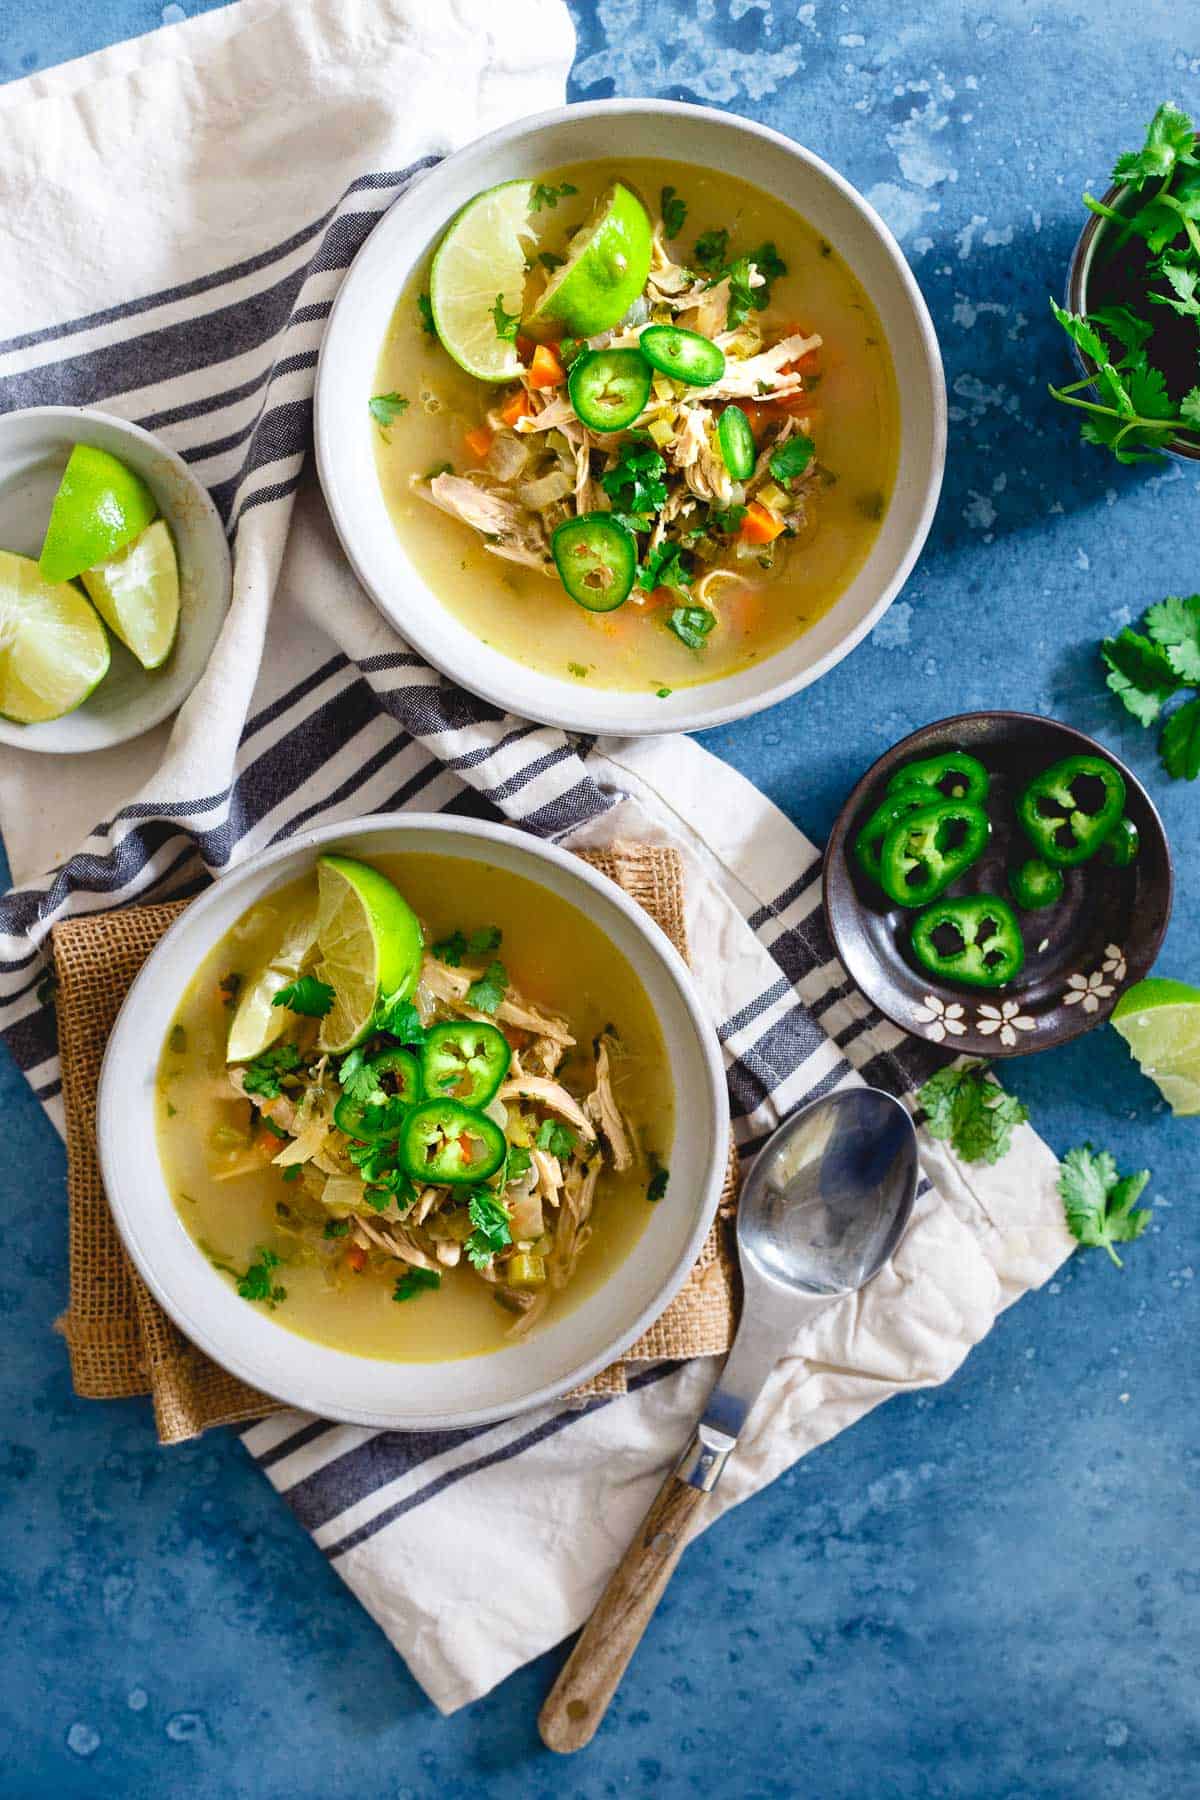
{"x":465,"y":1060}
{"x":683,"y":355}
{"x":444,"y":1141}
{"x":1036,"y":885}
{"x":954,"y":774}
{"x":1122,"y":844}
{"x":928,"y":849}
{"x":596,"y":559}
{"x":736,"y":439}
{"x":1071,"y":808}
{"x":975,"y":940}
{"x":609,"y":388}
{"x":869,"y":842}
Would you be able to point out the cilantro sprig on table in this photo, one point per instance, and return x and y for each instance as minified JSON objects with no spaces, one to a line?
{"x":1134,"y":414}
{"x":1148,"y":669}
{"x":1100,"y":1202}
{"x":969,"y":1109}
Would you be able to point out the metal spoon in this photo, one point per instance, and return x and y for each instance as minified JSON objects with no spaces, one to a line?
{"x":823,"y":1208}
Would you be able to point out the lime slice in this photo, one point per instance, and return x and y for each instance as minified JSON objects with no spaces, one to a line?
{"x":100,"y":505}
{"x":481,"y":260}
{"x":53,"y":648}
{"x":136,"y":593}
{"x":607,"y":263}
{"x":370,"y":944}
{"x":1160,"y":1021}
{"x":257,"y":1022}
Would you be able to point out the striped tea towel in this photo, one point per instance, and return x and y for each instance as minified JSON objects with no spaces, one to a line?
{"x":237,"y":162}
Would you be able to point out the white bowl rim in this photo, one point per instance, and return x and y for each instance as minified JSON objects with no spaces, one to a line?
{"x":683,"y":714}
{"x":194,"y":1326}
{"x":219,"y":569}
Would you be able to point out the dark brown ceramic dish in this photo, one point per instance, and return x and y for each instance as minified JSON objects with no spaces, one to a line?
{"x":1103,"y":934}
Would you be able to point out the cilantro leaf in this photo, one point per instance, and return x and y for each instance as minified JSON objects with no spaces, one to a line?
{"x":491,"y":1232}
{"x":1081,"y":333}
{"x":306,"y":995}
{"x":518,"y":1164}
{"x":1122,"y":323}
{"x":656,"y":1187}
{"x":664,"y":568}
{"x":399,"y":1018}
{"x":726,"y":519}
{"x":788,"y":460}
{"x":385,"y":409}
{"x":257,"y":1284}
{"x":1175,"y":624}
{"x":691,"y":625}
{"x":1169,"y":140}
{"x":336,"y":1228}
{"x":1189,"y":408}
{"x":674,"y":213}
{"x":1139,"y":674}
{"x":968,"y":1108}
{"x":505,"y":322}
{"x":262,"y":1075}
{"x":549,"y":197}
{"x":1180,"y":743}
{"x":1184,"y":280}
{"x":414,"y":1282}
{"x":556,"y":1139}
{"x":1099,"y":1202}
{"x":635,"y":482}
{"x":451,"y":950}
{"x":425,"y":311}
{"x":743,"y":299}
{"x":486,"y":994}
{"x":355,"y":1076}
{"x":710,"y":252}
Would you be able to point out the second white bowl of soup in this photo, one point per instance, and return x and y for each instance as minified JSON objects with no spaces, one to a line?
{"x":738,"y":525}
{"x":389,"y":1122}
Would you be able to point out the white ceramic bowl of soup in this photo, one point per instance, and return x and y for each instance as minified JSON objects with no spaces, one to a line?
{"x":409,"y":588}
{"x":569,"y":1346}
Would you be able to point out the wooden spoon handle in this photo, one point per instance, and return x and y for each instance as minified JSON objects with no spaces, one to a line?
{"x":579,"y":1698}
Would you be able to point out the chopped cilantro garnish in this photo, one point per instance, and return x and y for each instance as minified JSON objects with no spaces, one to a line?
{"x":635,"y":483}
{"x":505,"y":322}
{"x":306,"y":995}
{"x":486,"y":994}
{"x":970,"y":1109}
{"x":656,"y":1187}
{"x":544,"y":196}
{"x":711,"y":251}
{"x":269,"y":1125}
{"x":726,"y":519}
{"x":662,"y":693}
{"x":385,"y":409}
{"x":257,"y":1284}
{"x":293,"y":1172}
{"x":230,"y":986}
{"x":442,"y":468}
{"x":399,"y":1018}
{"x":665,"y":568}
{"x":579,"y":670}
{"x":788,"y":460}
{"x":414,"y":1282}
{"x":263,"y":1074}
{"x":691,"y":625}
{"x":674,"y":213}
{"x":1099,"y":1202}
{"x":425,"y":311}
{"x":556,"y":1139}
{"x":336,"y":1228}
{"x":451,"y":950}
{"x":491,"y":1231}
{"x":354,"y":1075}
{"x":518,"y":1164}
{"x":177,"y":1041}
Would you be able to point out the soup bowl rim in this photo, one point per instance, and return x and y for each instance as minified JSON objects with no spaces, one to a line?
{"x":394,"y":582}
{"x":247,"y":1341}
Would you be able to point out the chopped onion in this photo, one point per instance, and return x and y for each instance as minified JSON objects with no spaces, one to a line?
{"x":507,"y":456}
{"x":546,"y":490}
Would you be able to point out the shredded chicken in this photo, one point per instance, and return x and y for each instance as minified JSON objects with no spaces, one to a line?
{"x":602,"y":1108}
{"x":551,"y":1094}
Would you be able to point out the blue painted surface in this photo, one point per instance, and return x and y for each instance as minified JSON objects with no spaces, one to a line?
{"x":987,"y":1591}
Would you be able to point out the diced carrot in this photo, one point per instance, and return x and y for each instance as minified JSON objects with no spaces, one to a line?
{"x":759,"y":526}
{"x":517,"y":406}
{"x":478,"y":442}
{"x":356,"y":1258}
{"x":546,"y":371}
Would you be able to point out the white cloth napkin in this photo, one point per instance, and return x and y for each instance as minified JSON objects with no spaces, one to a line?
{"x":185,"y":207}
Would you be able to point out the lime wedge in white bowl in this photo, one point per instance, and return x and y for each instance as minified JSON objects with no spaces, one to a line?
{"x":257,"y":1021}
{"x":477,"y":282}
{"x":53,"y":648}
{"x":136,"y":593}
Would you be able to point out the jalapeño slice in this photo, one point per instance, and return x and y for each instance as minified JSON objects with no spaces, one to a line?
{"x":609,"y":388}
{"x":596,"y":559}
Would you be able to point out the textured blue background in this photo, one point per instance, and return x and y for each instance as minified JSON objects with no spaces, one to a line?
{"x":985,"y":1591}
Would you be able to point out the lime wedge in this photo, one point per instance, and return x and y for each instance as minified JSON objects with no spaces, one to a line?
{"x":100,"y":505}
{"x":607,"y":263}
{"x":53,"y":648}
{"x":481,"y":260}
{"x":370,"y":944}
{"x":136,"y":593}
{"x":1160,"y":1021}
{"x":257,"y":1022}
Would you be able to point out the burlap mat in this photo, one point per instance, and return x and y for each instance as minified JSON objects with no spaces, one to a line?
{"x":120,"y":1340}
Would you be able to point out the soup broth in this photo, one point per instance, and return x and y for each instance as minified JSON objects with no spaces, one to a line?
{"x":559,"y":961}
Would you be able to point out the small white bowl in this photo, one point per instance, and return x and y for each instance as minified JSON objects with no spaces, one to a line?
{"x":363,"y":1390}
{"x":34,"y":447}
{"x":600,"y":129}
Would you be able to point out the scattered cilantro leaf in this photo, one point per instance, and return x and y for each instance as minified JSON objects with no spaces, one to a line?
{"x":789,"y":460}
{"x":336,"y":1228}
{"x":268,"y":1125}
{"x":968,"y":1108}
{"x":491,"y":1233}
{"x":665,"y":568}
{"x":579,"y":670}
{"x":1139,"y":674}
{"x":505,"y":322}
{"x":385,"y":409}
{"x":635,"y":483}
{"x":674,"y":212}
{"x":550,"y":260}
{"x":1180,"y":744}
{"x":556,"y":1139}
{"x":399,"y":1018}
{"x":486,"y":994}
{"x":549,"y":197}
{"x":414,"y":1282}
{"x":425,"y":313}
{"x":229,"y":987}
{"x":1175,"y":624}
{"x":451,"y":950}
{"x":306,"y":995}
{"x":518,"y":1164}
{"x":442,"y":468}
{"x":711,"y":251}
{"x":354,"y":1075}
{"x":263,"y":1074}
{"x":656,"y":1187}
{"x":726,"y":519}
{"x":691,"y":625}
{"x":257,"y":1282}
{"x":1099,"y":1202}
{"x":293,"y":1172}
{"x":663,"y":693}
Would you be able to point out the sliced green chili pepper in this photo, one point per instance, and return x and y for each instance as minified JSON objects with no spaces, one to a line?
{"x":596,"y":559}
{"x":444,"y":1141}
{"x":954,"y":774}
{"x":924,"y":852}
{"x":1071,"y":808}
{"x":372,"y":1120}
{"x":1122,"y":844}
{"x":683,"y":355}
{"x":609,"y":388}
{"x":869,"y":842}
{"x":736,"y":439}
{"x":465,"y":1060}
{"x":975,"y":940}
{"x":1035,"y":884}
